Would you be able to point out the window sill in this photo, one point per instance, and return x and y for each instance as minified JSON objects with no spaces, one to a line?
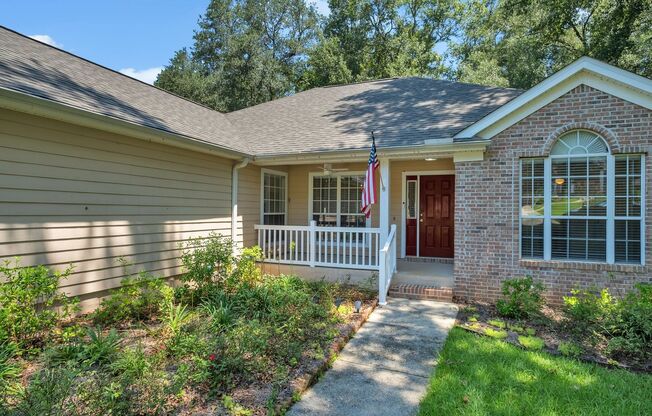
{"x":580,"y":265}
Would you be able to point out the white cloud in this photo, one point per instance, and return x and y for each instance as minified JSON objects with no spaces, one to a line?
{"x":48,"y":40}
{"x":146,"y":75}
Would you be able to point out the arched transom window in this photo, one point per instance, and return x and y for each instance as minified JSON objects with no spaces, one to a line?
{"x":582,"y":203}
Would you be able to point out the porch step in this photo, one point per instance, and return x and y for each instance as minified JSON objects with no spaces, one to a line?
{"x":423,"y":292}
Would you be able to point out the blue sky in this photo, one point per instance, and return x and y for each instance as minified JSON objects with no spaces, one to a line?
{"x":136,"y":37}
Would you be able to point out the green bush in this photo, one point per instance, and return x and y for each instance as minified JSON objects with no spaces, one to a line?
{"x":49,"y":393}
{"x":631,"y":324}
{"x":207,"y":259}
{"x":531,"y":342}
{"x":138,"y":298}
{"x":31,"y":304}
{"x":9,"y":371}
{"x":588,"y":311}
{"x":493,"y":333}
{"x":522,"y":298}
{"x":101,"y":349}
{"x":497,"y":323}
{"x":569,"y":349}
{"x":246,"y":270}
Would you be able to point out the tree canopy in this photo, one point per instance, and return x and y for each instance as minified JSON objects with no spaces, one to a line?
{"x":246,"y":52}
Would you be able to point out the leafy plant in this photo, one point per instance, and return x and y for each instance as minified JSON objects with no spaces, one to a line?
{"x":493,"y":333}
{"x":132,"y":364}
{"x":631,"y":324}
{"x":221,"y":314}
{"x":139,"y":297}
{"x":247,"y":271}
{"x":207,"y":259}
{"x":522,"y":298}
{"x":176,"y":317}
{"x":48,"y":393}
{"x":531,"y":342}
{"x":497,"y":323}
{"x":516,"y":328}
{"x":9,"y":370}
{"x":31,"y":303}
{"x":588,"y":311}
{"x":569,"y":349}
{"x":101,"y":349}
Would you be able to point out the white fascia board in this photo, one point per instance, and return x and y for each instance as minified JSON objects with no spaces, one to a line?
{"x":445,"y":149}
{"x":588,"y":71}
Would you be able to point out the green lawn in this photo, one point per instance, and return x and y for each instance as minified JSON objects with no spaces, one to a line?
{"x":482,"y":376}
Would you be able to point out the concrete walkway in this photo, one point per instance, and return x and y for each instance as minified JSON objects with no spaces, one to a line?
{"x":384,"y":370}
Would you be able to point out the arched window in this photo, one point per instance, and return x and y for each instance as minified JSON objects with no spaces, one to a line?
{"x":582,"y":203}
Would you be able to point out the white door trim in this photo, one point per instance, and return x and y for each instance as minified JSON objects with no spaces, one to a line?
{"x":418,"y":174}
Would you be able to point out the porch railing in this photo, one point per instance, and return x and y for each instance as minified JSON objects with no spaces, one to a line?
{"x":387,"y":265}
{"x":346,"y":247}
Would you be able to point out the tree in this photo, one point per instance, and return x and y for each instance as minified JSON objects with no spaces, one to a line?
{"x":245,"y":52}
{"x":524,"y":42}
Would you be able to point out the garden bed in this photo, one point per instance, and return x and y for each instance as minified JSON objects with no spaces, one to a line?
{"x":228,"y":341}
{"x":548,"y":327}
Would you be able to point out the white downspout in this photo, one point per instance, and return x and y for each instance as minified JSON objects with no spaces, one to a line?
{"x":234,"y":200}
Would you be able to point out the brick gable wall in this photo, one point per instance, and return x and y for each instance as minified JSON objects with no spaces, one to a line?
{"x":487,"y":200}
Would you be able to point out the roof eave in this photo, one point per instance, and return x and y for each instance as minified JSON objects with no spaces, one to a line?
{"x":446,"y":149}
{"x":29,"y":104}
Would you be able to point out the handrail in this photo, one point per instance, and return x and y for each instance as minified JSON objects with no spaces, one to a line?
{"x":387,"y":265}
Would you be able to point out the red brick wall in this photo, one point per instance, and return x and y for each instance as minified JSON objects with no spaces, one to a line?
{"x":486,"y":223}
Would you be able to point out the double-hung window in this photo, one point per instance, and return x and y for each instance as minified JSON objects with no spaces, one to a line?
{"x":582,"y":203}
{"x":274,"y":198}
{"x":336,"y":200}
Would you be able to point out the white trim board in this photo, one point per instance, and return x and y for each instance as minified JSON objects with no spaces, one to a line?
{"x":418,"y":174}
{"x":587,"y":71}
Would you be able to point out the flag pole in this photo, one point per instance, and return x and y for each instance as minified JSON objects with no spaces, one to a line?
{"x":380,"y":175}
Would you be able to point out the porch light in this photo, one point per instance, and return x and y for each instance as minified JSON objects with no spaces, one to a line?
{"x":357,"y":305}
{"x":560,"y":181}
{"x":430,"y":159}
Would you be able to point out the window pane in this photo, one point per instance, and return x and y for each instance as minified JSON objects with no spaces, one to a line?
{"x":628,"y":241}
{"x":532,"y":240}
{"x":579,"y":239}
{"x":411,"y":199}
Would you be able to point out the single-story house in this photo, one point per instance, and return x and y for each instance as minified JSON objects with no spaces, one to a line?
{"x":477,"y":184}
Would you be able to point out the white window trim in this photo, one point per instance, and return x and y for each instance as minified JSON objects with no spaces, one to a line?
{"x":263,"y":171}
{"x":338,"y":175}
{"x":610,"y":217}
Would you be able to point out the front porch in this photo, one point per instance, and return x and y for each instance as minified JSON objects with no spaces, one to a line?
{"x":310,"y":224}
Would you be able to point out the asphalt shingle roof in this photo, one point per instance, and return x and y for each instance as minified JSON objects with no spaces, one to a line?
{"x":42,"y":71}
{"x":401,"y":111}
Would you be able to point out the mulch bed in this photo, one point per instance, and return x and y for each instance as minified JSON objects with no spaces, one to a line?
{"x":550,"y":328}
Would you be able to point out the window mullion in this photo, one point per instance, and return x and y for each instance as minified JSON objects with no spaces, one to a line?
{"x":611,"y":208}
{"x":338,"y":198}
{"x":547,"y":209}
{"x":643,"y":208}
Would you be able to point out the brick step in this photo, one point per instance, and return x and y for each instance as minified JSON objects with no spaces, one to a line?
{"x":423,"y":292}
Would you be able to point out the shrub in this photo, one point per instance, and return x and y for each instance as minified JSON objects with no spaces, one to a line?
{"x":569,"y":349}
{"x":588,"y":311}
{"x":246,"y":270}
{"x":631,"y":324}
{"x":138,"y":298}
{"x":31,"y":303}
{"x":207,"y":259}
{"x":493,"y":333}
{"x":522,"y":298}
{"x":531,"y":342}
{"x":497,"y":323}
{"x":132,"y":364}
{"x":49,"y":393}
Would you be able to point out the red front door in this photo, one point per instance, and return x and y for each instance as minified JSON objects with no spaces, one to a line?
{"x":436,"y":219}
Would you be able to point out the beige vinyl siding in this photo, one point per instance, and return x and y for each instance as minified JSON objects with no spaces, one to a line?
{"x":76,"y":195}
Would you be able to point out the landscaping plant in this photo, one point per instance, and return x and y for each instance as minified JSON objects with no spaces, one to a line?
{"x":31,"y":303}
{"x":522,"y":298}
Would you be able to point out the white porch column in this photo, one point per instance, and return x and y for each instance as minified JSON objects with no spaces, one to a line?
{"x":384,"y":200}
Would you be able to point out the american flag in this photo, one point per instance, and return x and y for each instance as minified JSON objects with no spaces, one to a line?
{"x":369,"y":189}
